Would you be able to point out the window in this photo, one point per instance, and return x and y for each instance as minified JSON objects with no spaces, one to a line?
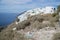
{"x":51,"y":11}
{"x":54,"y":8}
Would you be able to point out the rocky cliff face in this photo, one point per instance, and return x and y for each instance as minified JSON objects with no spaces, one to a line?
{"x":37,"y":27}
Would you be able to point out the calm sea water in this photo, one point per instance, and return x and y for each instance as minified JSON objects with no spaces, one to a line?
{"x":7,"y":18}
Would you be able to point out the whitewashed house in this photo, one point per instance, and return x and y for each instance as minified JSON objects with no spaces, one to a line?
{"x":49,"y":10}
{"x":46,"y":10}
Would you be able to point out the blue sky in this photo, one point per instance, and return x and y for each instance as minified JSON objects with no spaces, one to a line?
{"x":17,"y":6}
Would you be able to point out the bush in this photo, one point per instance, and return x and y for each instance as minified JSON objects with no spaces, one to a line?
{"x":32,"y":18}
{"x":37,"y":25}
{"x":7,"y":35}
{"x":23,"y":24}
{"x":54,"y":14}
{"x":56,"y":36}
{"x":1,"y":28}
{"x":36,"y":18}
{"x":55,"y":17}
{"x":10,"y":35}
{"x":17,"y":20}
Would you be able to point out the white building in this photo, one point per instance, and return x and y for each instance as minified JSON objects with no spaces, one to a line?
{"x":45,"y":10}
{"x":49,"y":10}
{"x":36,"y":11}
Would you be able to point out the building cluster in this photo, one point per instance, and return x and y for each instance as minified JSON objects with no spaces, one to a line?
{"x":46,"y":10}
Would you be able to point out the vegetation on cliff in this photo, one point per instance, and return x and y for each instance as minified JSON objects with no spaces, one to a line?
{"x":34,"y":22}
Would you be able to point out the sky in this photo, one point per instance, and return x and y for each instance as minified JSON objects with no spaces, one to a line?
{"x":18,"y":6}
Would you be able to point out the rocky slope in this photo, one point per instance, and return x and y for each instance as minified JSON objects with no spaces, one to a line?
{"x":37,"y":27}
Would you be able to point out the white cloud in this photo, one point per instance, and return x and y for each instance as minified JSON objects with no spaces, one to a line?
{"x":20,"y":5}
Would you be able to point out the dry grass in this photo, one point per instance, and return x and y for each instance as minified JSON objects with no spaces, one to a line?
{"x":10,"y":35}
{"x":33,"y":22}
{"x":36,"y":21}
{"x":23,"y":24}
{"x":56,"y":36}
{"x":7,"y":35}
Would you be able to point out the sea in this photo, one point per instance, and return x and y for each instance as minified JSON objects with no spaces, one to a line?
{"x":7,"y":18}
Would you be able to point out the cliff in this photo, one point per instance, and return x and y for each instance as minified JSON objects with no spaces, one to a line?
{"x":36,"y":27}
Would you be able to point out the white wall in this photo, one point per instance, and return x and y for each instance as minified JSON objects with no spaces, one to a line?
{"x":49,"y":10}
